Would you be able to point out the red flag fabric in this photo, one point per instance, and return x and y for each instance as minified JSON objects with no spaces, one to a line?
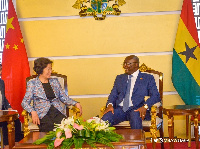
{"x":15,"y":66}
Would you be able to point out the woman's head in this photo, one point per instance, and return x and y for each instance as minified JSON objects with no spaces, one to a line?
{"x":40,"y":64}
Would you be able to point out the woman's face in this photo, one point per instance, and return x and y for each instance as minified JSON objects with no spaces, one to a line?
{"x":47,"y":72}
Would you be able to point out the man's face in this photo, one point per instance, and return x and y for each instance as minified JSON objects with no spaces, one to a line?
{"x":130,"y":65}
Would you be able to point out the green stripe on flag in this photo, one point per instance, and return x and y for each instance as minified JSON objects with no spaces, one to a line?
{"x":184,"y":82}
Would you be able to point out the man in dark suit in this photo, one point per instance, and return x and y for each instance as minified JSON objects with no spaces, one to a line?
{"x":6,"y":106}
{"x":126,"y":100}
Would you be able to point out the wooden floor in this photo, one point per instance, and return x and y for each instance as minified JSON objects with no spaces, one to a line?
{"x":7,"y":146}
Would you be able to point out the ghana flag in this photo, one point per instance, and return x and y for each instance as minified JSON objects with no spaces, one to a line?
{"x":186,"y":56}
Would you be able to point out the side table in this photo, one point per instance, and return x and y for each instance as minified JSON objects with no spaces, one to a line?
{"x":133,"y":139}
{"x":187,"y":110}
{"x":9,"y":117}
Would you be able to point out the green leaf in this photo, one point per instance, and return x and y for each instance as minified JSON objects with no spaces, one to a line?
{"x":78,"y":142}
{"x":67,"y":143}
{"x":48,"y":137}
{"x":112,"y":128}
{"x":51,"y":145}
{"x":87,"y":133}
{"x":91,"y":142}
{"x":81,"y":133}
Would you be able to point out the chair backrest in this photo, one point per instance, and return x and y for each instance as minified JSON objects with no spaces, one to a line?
{"x":156,"y":122}
{"x":158,"y":76}
{"x":63,"y":81}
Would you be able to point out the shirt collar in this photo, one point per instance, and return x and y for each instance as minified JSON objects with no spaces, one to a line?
{"x":135,"y":74}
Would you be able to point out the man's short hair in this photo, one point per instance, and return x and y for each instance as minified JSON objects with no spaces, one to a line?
{"x":133,"y":57}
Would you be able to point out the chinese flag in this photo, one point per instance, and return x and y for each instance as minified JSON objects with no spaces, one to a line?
{"x":15,"y":66}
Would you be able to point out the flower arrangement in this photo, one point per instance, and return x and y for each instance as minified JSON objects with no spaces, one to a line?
{"x":76,"y":131}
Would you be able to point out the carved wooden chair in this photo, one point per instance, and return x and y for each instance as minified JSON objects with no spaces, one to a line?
{"x":156,"y":122}
{"x":191,"y":122}
{"x":28,"y":125}
{"x":1,"y":131}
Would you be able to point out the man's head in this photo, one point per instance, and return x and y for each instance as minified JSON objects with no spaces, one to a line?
{"x":131,"y":64}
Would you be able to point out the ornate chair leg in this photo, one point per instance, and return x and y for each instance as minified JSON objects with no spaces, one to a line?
{"x":26,"y":130}
{"x":153,"y":127}
{"x":1,"y":130}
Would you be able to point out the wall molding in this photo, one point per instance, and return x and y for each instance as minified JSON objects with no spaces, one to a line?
{"x":103,"y":55}
{"x":121,"y":15}
{"x":106,"y":95}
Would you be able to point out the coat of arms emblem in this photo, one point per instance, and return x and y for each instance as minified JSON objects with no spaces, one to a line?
{"x":98,"y":8}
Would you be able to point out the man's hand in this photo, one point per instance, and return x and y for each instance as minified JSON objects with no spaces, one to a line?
{"x":35,"y":118}
{"x":78,"y":105}
{"x":142,"y":111}
{"x":109,"y":108}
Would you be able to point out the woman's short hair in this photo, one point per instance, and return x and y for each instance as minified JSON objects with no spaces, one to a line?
{"x":40,"y":64}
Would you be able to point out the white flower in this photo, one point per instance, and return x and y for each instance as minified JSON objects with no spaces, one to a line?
{"x":102,"y":126}
{"x":65,"y":123}
{"x":69,"y":121}
{"x":97,"y":120}
{"x":99,"y":124}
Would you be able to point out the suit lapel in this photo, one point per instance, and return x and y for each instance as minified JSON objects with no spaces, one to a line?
{"x":138,"y":82}
{"x":124,"y":82}
{"x":54,"y":86}
{"x":40,"y":90}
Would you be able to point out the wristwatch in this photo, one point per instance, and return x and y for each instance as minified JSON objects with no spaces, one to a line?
{"x":146,"y":106}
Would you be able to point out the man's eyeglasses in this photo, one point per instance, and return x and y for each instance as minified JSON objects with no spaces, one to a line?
{"x":128,"y":64}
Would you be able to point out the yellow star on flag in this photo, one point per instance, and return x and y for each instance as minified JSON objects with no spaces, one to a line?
{"x":7,"y":46}
{"x":22,"y":40}
{"x":9,"y":24}
{"x":15,"y":47}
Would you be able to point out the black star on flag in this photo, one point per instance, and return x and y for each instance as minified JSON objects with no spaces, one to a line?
{"x":189,"y":52}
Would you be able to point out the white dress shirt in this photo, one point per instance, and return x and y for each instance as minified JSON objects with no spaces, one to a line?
{"x":133,"y":80}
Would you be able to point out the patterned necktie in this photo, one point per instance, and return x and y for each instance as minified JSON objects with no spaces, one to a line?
{"x":126,"y":98}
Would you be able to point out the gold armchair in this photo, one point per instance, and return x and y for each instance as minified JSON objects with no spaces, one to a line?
{"x":156,"y":122}
{"x":28,"y":125}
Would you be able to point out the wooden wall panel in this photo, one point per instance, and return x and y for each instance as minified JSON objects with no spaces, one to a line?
{"x":90,"y":37}
{"x":48,"y":8}
{"x":97,"y":75}
{"x":151,"y":6}
{"x":91,"y":106}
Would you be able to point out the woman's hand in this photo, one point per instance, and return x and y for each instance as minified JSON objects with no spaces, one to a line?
{"x":35,"y":118}
{"x":78,"y":105}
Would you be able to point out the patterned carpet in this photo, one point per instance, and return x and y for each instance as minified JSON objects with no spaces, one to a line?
{"x":177,"y":145}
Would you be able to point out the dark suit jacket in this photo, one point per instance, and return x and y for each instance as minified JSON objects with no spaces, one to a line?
{"x":144,"y":86}
{"x":5,"y":104}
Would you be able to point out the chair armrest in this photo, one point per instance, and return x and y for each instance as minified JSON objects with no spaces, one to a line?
{"x":25,"y":125}
{"x":76,"y":111}
{"x":153,"y":127}
{"x":158,"y":104}
{"x":102,"y":110}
